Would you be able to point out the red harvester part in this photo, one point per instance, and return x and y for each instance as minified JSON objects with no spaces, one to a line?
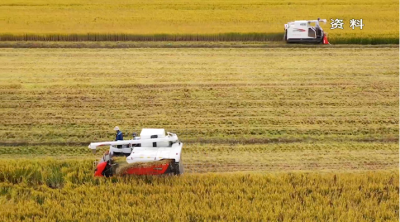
{"x":148,"y":170}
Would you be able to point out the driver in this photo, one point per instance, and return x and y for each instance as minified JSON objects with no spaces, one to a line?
{"x":118,"y":135}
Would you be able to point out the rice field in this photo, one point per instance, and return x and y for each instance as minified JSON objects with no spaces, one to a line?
{"x":203,"y":95}
{"x":199,"y":197}
{"x":198,"y":20}
{"x":275,"y":134}
{"x":252,"y":158}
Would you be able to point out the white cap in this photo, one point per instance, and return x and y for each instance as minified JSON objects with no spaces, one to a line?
{"x":116,"y":128}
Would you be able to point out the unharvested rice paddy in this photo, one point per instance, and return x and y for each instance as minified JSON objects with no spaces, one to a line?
{"x":177,"y":20}
{"x":279,"y":134}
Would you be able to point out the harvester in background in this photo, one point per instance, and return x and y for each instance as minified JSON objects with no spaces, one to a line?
{"x":153,"y":153}
{"x":305,"y":31}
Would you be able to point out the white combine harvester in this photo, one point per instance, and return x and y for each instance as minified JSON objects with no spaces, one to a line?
{"x":305,"y":31}
{"x":152,"y":153}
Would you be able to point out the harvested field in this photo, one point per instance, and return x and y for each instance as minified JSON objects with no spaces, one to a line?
{"x":260,"y":158}
{"x":233,"y":95}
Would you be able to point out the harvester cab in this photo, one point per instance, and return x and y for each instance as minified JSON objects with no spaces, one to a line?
{"x":152,"y":153}
{"x":305,"y":31}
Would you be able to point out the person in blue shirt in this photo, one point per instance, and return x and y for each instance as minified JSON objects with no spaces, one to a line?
{"x":118,"y":136}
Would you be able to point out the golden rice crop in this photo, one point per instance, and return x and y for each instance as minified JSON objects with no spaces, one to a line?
{"x":232,"y":20}
{"x":40,"y":190}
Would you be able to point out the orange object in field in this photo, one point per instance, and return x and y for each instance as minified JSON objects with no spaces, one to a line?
{"x":325,"y":40}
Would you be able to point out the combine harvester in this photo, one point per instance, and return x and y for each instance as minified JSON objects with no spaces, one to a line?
{"x":303,"y":32}
{"x":153,"y":153}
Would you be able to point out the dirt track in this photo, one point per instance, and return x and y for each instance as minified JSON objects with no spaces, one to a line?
{"x":166,"y":44}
